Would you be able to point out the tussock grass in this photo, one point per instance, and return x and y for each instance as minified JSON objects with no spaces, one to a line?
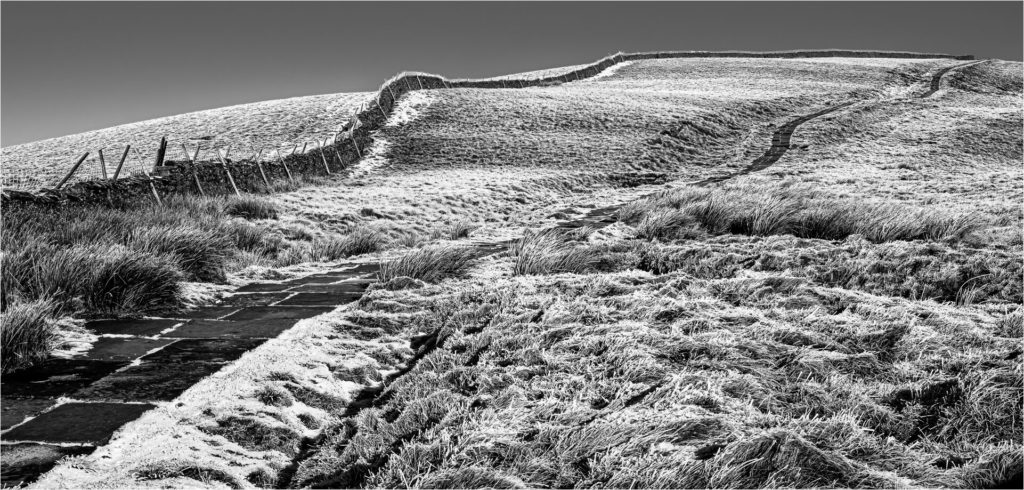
{"x":27,"y":333}
{"x":799,"y":211}
{"x":430,"y":264}
{"x":200,"y":254}
{"x":549,"y":251}
{"x":456,"y":231}
{"x":359,"y":241}
{"x":250,"y":207}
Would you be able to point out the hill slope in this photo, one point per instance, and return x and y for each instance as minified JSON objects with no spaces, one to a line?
{"x":848,"y":316}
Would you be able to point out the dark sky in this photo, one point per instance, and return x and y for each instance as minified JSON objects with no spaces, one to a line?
{"x":72,"y":67}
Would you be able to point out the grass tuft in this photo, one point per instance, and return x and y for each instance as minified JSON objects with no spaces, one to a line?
{"x":550,"y":251}
{"x":27,"y":333}
{"x":250,"y":207}
{"x":430,"y":264}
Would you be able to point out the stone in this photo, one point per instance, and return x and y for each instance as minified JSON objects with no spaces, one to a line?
{"x":274,"y":312}
{"x":204,"y":350}
{"x":255,"y":299}
{"x":259,"y":287}
{"x":141,"y":328}
{"x":55,"y":377}
{"x":320,"y":299}
{"x":14,"y":411}
{"x":88,"y":423}
{"x":264,"y":329}
{"x":21,"y":464}
{"x":122,"y":349}
{"x":352,"y":287}
{"x":149,"y":382}
{"x":209,"y":312}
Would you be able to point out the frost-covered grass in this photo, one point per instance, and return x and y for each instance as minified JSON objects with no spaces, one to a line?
{"x":633,"y":380}
{"x":244,"y":127}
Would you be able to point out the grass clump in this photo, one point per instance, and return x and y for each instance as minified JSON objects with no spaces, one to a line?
{"x":250,"y":207}
{"x":799,"y":211}
{"x":200,"y":254}
{"x":27,"y":333}
{"x":430,"y":264}
{"x":550,"y":251}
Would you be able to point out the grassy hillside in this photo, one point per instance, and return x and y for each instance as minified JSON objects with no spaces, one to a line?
{"x":849,"y":317}
{"x":274,"y":122}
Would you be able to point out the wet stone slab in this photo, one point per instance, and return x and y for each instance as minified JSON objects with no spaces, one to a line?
{"x":255,"y":299}
{"x":320,"y":299}
{"x":203,"y":350}
{"x":149,"y":381}
{"x":208,"y":313}
{"x":276,"y":312}
{"x":87,"y":423}
{"x":348,"y":287}
{"x":363,"y":269}
{"x":56,"y":377}
{"x":262,"y":287}
{"x":14,"y":411}
{"x":122,"y":349}
{"x":21,"y":464}
{"x":142,"y":328}
{"x":317,"y":279}
{"x":264,"y":329}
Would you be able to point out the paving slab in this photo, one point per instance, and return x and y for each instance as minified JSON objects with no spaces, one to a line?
{"x":14,"y":411}
{"x":142,"y":328}
{"x":352,"y":287}
{"x":121,"y":348}
{"x":56,"y":377}
{"x":320,"y":299}
{"x":149,"y":381}
{"x":21,"y":464}
{"x":318,"y":279}
{"x":273,"y":312}
{"x":255,"y":299}
{"x":203,"y":350}
{"x":262,"y":287}
{"x":363,"y":269}
{"x":262,"y":329}
{"x":208,"y":312}
{"x":86,"y":423}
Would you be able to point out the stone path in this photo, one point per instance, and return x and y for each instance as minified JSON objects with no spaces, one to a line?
{"x":70,"y":406}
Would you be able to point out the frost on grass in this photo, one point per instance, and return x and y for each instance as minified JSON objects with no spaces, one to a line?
{"x":632,"y":380}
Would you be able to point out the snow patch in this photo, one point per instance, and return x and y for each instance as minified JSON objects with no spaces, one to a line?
{"x":410,"y":106}
{"x":611,"y":70}
{"x":375,"y":158}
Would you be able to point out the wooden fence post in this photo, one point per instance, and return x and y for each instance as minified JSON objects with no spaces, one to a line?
{"x":355,"y":143}
{"x":323,"y":157}
{"x":340,"y":160}
{"x":419,"y":82}
{"x":124,"y":156}
{"x":74,"y":168}
{"x":224,"y":164}
{"x":152,"y":187}
{"x":192,"y":167}
{"x":161,"y":152}
{"x":103,"y":164}
{"x":285,"y":165}
{"x":304,"y":145}
{"x":393,"y":98}
{"x":381,"y":107}
{"x":262,"y":173}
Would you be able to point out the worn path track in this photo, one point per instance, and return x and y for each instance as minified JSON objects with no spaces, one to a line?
{"x":137,"y":363}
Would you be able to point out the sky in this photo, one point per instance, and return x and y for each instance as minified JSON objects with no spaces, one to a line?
{"x":71,"y":67}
